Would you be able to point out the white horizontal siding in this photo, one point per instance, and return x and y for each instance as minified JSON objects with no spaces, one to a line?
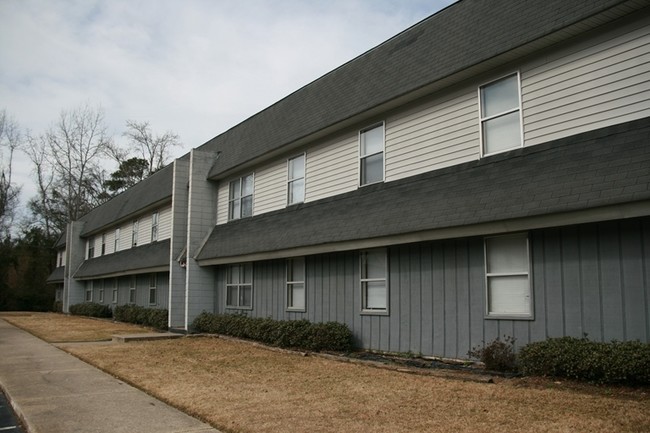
{"x":332,"y":168}
{"x":165,"y":223}
{"x":586,"y":87}
{"x":110,"y":242}
{"x":126,"y":230}
{"x":270,"y":188}
{"x":222,"y":203}
{"x":144,"y":232}
{"x":437,"y":134}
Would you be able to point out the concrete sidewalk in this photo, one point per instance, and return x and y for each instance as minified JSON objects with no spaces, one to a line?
{"x":54,"y":392}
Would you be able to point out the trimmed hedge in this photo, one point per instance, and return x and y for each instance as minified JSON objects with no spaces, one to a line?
{"x":91,"y":309}
{"x":301,"y":334}
{"x":578,"y":358}
{"x":153,"y":317}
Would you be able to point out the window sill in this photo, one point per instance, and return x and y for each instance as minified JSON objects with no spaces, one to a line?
{"x":374,"y":313}
{"x":509,"y":317}
{"x":232,"y":307}
{"x":296,"y":310}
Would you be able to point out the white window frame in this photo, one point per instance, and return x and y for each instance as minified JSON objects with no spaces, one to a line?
{"x":488,"y":275}
{"x":153,"y":288}
{"x":239,"y":198}
{"x":362,"y":156}
{"x":135,"y":228}
{"x":238,"y":305}
{"x":90,"y":287}
{"x":116,"y":242}
{"x":101,"y":293}
{"x":132,"y":290}
{"x":293,"y":284}
{"x":155,"y":220}
{"x":90,"y":250}
{"x":485,"y":119}
{"x":103,"y":243}
{"x":115,"y":291}
{"x":291,"y":181}
{"x":364,"y":280}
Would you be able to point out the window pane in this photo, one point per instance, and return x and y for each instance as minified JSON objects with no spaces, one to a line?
{"x":234,"y":209}
{"x":246,"y":298}
{"x":500,"y":96}
{"x":375,"y":264}
{"x":152,"y":296}
{"x":233,"y":274}
{"x":376,"y":295}
{"x":246,"y":206}
{"x":298,"y":269}
{"x":372,"y":141}
{"x":509,"y":295}
{"x":502,"y":133}
{"x":297,"y":167}
{"x":247,"y":274}
{"x":297,"y":191}
{"x":231,"y":295}
{"x":372,"y":169}
{"x":247,"y":185}
{"x":297,"y":293}
{"x":507,"y":254}
{"x":234,"y":189}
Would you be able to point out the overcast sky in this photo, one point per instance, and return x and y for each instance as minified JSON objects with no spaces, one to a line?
{"x":195,"y":67}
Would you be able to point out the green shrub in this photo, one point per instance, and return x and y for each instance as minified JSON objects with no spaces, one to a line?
{"x":497,"y":355}
{"x":57,"y":307}
{"x":91,"y":309}
{"x":578,"y":358}
{"x":300,"y":334}
{"x":153,"y":317}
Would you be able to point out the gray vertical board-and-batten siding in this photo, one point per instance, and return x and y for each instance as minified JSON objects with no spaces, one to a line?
{"x":588,"y":279}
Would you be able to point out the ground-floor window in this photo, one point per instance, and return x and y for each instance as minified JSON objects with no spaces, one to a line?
{"x":507,"y":265}
{"x":89,"y":291}
{"x":296,"y":284}
{"x":58,"y":295}
{"x":101,"y":295}
{"x":374,"y":285}
{"x":153,"y":292}
{"x":239,"y":286}
{"x":132,"y":291}
{"x":114,"y":291}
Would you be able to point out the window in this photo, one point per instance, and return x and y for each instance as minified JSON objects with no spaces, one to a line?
{"x":371,"y":153}
{"x":296,"y":180}
{"x":507,"y":276}
{"x":154,"y":226}
{"x":58,"y":295}
{"x":89,"y":291}
{"x":153,"y":295}
{"x":116,"y":246}
{"x":296,"y":284}
{"x":374,"y":286}
{"x":114,"y":299}
{"x":239,"y":286}
{"x":101,"y":293}
{"x":134,"y":234}
{"x":500,"y":115}
{"x":240,"y":203}
{"x":91,"y":248}
{"x":132,"y":291}
{"x":59,"y":257}
{"x":103,"y":243}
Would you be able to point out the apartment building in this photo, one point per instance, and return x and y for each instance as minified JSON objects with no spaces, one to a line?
{"x":484,"y":173}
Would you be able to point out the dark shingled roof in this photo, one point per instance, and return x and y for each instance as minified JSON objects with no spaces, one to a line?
{"x":147,"y":256}
{"x":604,"y":167}
{"x":56,"y":276}
{"x":458,"y":37}
{"x":149,"y":191}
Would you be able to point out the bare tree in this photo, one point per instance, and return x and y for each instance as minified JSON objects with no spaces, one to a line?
{"x":68,"y":166}
{"x":154,"y":150}
{"x":10,"y":139}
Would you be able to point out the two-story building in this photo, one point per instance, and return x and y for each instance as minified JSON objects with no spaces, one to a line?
{"x":484,"y":173}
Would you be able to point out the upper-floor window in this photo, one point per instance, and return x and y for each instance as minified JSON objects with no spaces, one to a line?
{"x":154,"y":226}
{"x":296,"y":284}
{"x":91,"y":248}
{"x":296,"y":180}
{"x":59,"y":257}
{"x":103,"y":243}
{"x":507,"y":276}
{"x":240,"y":202}
{"x":134,"y":233}
{"x":239,"y":286}
{"x":374,"y":285}
{"x":116,"y":246}
{"x":371,"y":154}
{"x":500,"y":115}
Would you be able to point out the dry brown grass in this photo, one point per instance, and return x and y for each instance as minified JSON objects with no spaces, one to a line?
{"x":58,"y":328}
{"x":238,"y":387}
